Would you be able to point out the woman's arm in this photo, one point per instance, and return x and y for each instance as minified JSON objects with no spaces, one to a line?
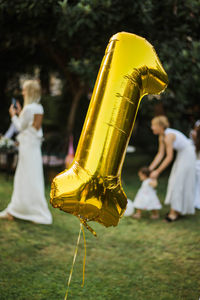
{"x":169,"y":139}
{"x":159,"y":156}
{"x":37,"y":122}
{"x":21,"y":122}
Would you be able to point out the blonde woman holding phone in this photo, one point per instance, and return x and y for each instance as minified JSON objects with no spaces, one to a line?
{"x":28,"y":200}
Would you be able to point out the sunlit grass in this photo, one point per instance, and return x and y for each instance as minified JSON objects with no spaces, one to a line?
{"x":137,"y":260}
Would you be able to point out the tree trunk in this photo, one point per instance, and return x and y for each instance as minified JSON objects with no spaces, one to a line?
{"x":44,"y":79}
{"x":72,"y":115}
{"x":74,"y":84}
{"x":159,"y":109}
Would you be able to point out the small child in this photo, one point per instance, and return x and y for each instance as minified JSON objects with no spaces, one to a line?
{"x":146,"y":197}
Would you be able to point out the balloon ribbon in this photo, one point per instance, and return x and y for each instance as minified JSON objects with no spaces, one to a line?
{"x":74,"y":259}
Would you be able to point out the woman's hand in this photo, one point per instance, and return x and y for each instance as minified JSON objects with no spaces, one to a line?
{"x":12,"y":111}
{"x":15,"y":111}
{"x":154,"y":174}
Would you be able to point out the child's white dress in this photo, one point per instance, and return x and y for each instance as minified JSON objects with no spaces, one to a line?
{"x":146,"y":197}
{"x":129,"y":208}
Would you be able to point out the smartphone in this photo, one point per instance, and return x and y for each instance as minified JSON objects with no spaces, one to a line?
{"x":14,"y":102}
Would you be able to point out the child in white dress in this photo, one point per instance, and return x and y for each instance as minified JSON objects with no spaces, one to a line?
{"x":146,"y":197}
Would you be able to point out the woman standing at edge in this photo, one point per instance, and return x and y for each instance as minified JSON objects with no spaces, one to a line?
{"x":28,"y":200}
{"x":181,"y":184}
{"x":196,"y":140}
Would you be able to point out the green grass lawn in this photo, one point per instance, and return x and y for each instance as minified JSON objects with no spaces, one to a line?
{"x":138,"y":259}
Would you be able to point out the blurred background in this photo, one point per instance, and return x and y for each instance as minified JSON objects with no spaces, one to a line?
{"x":62,"y":43}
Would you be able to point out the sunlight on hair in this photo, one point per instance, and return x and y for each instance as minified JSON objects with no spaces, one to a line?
{"x":32,"y":91}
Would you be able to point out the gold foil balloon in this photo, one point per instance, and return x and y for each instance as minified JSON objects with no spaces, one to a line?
{"x":91,"y":189}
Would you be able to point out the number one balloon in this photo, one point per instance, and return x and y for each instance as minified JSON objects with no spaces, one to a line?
{"x":91,"y":189}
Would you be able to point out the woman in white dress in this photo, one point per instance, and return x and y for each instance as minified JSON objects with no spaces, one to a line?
{"x":28,"y":200}
{"x":181,"y":184}
{"x":196,"y":139}
{"x":197,"y":188}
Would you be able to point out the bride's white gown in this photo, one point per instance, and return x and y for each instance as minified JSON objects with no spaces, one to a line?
{"x":28,"y":200}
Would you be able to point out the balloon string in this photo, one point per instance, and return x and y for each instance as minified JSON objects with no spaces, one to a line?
{"x":82,"y":222}
{"x":84,"y":260}
{"x":87,"y":226}
{"x":74,"y":259}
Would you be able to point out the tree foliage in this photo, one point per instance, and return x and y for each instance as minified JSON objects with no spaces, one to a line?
{"x":70,"y":37}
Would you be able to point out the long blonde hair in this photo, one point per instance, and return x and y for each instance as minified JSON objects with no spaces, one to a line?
{"x":33,"y":91}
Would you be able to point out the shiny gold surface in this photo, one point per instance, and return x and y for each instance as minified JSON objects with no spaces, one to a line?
{"x":91,"y":189}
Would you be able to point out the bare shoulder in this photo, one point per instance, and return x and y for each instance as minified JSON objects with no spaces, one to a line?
{"x":170,"y":138}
